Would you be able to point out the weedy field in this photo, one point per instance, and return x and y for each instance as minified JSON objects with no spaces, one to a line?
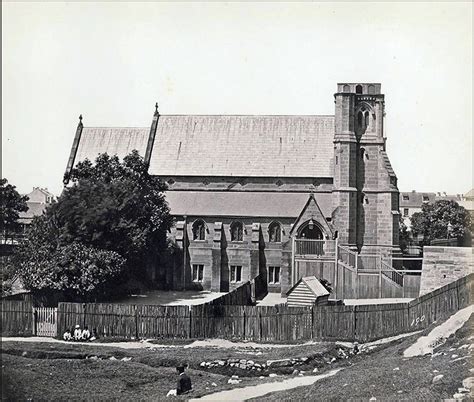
{"x":57,"y":371}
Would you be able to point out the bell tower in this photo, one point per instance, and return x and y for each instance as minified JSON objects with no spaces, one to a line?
{"x":365,"y":193}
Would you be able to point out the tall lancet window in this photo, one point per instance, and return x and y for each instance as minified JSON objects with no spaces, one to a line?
{"x":199,"y":230}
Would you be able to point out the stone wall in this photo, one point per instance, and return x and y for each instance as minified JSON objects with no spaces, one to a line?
{"x":443,"y":265}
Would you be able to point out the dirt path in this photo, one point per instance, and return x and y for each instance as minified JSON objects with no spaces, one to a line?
{"x":208,"y":343}
{"x":255,"y":391}
{"x":426,"y":344}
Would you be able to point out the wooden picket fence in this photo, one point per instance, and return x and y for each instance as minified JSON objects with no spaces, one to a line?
{"x":17,"y":318}
{"x":246,"y":322}
{"x":45,"y":321}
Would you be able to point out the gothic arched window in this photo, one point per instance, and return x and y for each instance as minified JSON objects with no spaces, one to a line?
{"x":360,"y":119}
{"x":371,"y":90}
{"x":236,"y":231}
{"x":199,"y":230}
{"x":274,"y":232}
{"x":366,"y":119}
{"x":358,"y":89}
{"x":346,"y":88}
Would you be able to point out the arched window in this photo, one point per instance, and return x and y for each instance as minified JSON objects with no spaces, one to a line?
{"x":358,"y":89}
{"x":362,"y":153}
{"x":236,"y":231}
{"x":366,"y":119}
{"x":371,"y":90}
{"x":346,"y":88}
{"x":199,"y":230}
{"x":360,"y":119}
{"x":274,"y":232}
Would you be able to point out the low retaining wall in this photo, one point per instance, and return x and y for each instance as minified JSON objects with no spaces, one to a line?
{"x":443,"y":265}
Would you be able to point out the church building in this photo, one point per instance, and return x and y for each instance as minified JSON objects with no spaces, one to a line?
{"x":251,"y":195}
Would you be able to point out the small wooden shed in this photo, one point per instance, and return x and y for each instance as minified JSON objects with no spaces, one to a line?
{"x":308,"y":291}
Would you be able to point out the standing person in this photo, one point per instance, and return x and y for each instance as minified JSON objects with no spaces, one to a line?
{"x":184,"y":382}
{"x":77,"y":333}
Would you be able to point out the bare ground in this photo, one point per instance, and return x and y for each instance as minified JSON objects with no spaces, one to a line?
{"x":45,"y":371}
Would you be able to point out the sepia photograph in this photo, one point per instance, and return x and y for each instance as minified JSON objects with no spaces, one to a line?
{"x":237,"y":201}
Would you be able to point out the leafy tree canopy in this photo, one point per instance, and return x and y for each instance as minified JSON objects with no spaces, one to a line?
{"x":108,"y":223}
{"x":12,"y":203}
{"x":441,"y":220}
{"x":115,"y":206}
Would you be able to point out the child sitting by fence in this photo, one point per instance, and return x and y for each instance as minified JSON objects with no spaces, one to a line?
{"x":67,"y":336}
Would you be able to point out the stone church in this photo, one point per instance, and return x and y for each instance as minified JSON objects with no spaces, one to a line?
{"x":247,"y":191}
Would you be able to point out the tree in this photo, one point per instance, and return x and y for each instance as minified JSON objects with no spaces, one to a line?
{"x":12,"y":203}
{"x":442,"y":220}
{"x":114,"y":206}
{"x":105,"y":226}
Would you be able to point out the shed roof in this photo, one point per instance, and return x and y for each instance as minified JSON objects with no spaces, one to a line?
{"x":241,"y":204}
{"x":313,"y":284}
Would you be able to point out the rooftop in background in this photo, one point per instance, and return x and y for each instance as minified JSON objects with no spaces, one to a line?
{"x":416,"y":199}
{"x":38,"y":200}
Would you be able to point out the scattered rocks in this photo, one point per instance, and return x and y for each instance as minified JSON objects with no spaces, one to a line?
{"x":454,"y":356}
{"x":112,"y":358}
{"x":93,"y":358}
{"x":214,"y":384}
{"x":396,"y":369}
{"x":24,"y":353}
{"x":437,"y":378}
{"x":273,"y":375}
{"x":315,"y":370}
{"x":126,"y":359}
{"x":295,"y":372}
{"x":468,"y":382}
{"x":279,"y":363}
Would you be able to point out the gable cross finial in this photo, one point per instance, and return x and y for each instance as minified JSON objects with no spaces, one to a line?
{"x":156,"y":107}
{"x":80,"y":118}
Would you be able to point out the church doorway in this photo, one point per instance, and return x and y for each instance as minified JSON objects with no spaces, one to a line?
{"x":311,"y":231}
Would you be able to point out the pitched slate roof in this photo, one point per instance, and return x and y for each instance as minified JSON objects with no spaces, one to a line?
{"x":275,"y":146}
{"x":233,"y":203}
{"x":115,"y":141}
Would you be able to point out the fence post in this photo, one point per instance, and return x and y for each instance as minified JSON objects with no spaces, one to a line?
{"x":136,"y":323}
{"x":190,"y":322}
{"x":259,"y":323}
{"x":84,"y":306}
{"x":35,"y":321}
{"x":312,"y":321}
{"x":336,"y":267}
{"x":354,"y":309}
{"x":245,"y":324}
{"x":380,"y":277}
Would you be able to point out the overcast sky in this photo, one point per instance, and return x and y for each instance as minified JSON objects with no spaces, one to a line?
{"x":112,"y":61}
